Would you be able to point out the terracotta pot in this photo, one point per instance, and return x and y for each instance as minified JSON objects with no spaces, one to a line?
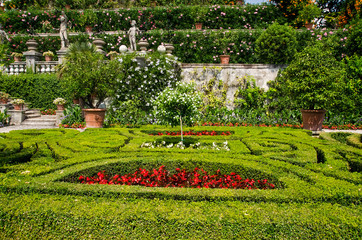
{"x":309,"y":25}
{"x":224,"y":59}
{"x":198,"y":26}
{"x":67,"y":7}
{"x":88,"y":29}
{"x":239,"y":3}
{"x":3,"y":100}
{"x":18,"y":106}
{"x":76,"y":100}
{"x":60,"y":107}
{"x":17,"y":59}
{"x":48,"y":58}
{"x":94,"y":118}
{"x":313,"y":119}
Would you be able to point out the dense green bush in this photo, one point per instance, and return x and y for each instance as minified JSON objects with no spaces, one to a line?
{"x":314,"y":78}
{"x":276,"y":45}
{"x":180,"y":17}
{"x":39,"y":90}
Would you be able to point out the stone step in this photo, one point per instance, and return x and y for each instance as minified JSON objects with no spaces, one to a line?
{"x":39,"y":123}
{"x":33,"y":115}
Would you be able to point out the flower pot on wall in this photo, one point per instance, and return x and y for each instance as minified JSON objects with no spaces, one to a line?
{"x":3,"y":100}
{"x":17,"y":59}
{"x":313,"y":119}
{"x":88,"y":29}
{"x":18,"y":106}
{"x":198,"y":26}
{"x":60,"y":107}
{"x":224,"y":59}
{"x":94,"y":117}
{"x":48,"y":58}
{"x":309,"y":25}
{"x":67,"y":7}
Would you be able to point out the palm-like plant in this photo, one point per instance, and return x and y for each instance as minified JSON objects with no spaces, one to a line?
{"x":86,"y":74}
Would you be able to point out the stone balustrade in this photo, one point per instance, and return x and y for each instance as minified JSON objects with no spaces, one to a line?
{"x":15,"y":68}
{"x":46,"y":67}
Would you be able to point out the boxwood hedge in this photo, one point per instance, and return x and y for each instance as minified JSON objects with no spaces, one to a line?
{"x":317,"y":193}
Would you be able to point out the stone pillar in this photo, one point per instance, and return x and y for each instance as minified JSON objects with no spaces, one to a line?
{"x":99,"y":45}
{"x":31,"y":56}
{"x":17,"y":116}
{"x":169,"y":48}
{"x":61,"y":55}
{"x":59,"y":115}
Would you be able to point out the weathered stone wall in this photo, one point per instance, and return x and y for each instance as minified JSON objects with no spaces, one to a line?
{"x":230,"y":75}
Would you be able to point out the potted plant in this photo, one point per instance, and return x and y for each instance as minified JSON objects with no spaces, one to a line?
{"x":308,"y":14}
{"x":87,"y":19}
{"x":87,"y":75}
{"x":18,"y":103}
{"x":223,"y":43}
{"x":113,"y":54}
{"x":199,"y":16}
{"x":48,"y":56}
{"x":17,"y":56}
{"x":312,"y":81}
{"x":60,"y":102}
{"x":4,"y":97}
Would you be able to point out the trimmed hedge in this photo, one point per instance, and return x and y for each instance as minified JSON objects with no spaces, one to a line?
{"x":39,"y":90}
{"x":316,"y":189}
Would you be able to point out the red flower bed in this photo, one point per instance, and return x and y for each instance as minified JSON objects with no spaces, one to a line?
{"x":198,"y":178}
{"x":48,"y":112}
{"x":192,"y":133}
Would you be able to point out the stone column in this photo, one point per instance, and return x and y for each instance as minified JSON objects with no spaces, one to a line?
{"x":31,"y":56}
{"x":59,"y":115}
{"x":99,"y":45}
{"x":61,"y":55}
{"x":17,"y":116}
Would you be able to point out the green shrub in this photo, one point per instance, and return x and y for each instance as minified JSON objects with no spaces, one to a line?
{"x":277,"y":45}
{"x":313,"y":78}
{"x":37,"y":89}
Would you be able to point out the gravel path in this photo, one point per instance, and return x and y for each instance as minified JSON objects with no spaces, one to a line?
{"x":23,"y":127}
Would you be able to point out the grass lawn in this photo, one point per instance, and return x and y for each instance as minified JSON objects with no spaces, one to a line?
{"x":317,"y":194}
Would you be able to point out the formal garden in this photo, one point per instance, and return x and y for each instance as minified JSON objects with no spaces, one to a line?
{"x":178,"y":158}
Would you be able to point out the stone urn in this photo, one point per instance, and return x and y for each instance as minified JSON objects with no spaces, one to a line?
{"x":143,"y":45}
{"x":32,"y":45}
{"x":313,"y":119}
{"x":99,"y":45}
{"x":94,"y":117}
{"x":169,"y":48}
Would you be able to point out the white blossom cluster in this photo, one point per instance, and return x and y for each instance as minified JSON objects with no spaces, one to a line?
{"x":201,"y":146}
{"x":143,"y":83}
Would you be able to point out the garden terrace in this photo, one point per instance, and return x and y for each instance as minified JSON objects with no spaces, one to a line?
{"x":317,"y":184}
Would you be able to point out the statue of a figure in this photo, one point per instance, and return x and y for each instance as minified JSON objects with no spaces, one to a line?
{"x":63,"y":31}
{"x":132,"y":32}
{"x":3,"y":35}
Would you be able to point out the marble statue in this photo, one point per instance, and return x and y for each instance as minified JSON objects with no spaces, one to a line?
{"x":132,"y":32}
{"x":3,"y":35}
{"x":63,"y":31}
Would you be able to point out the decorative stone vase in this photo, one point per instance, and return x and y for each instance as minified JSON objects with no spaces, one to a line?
{"x":60,"y":107}
{"x":169,"y":48}
{"x":313,"y":119}
{"x":48,"y":58}
{"x":99,"y":45}
{"x":143,"y":45}
{"x":18,"y":106}
{"x":198,"y":26}
{"x":94,"y":117}
{"x":224,"y":59}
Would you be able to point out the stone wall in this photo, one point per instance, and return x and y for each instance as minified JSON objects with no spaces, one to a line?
{"x":230,"y":76}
